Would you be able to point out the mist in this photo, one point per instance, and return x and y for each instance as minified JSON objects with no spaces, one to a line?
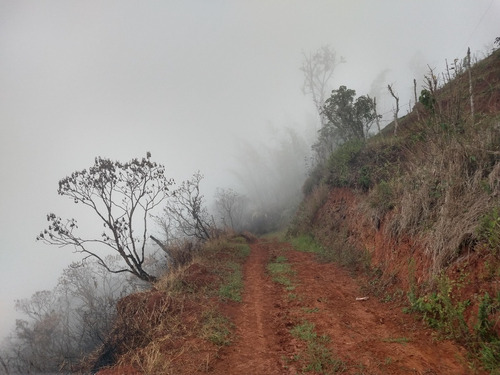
{"x":209,"y":86}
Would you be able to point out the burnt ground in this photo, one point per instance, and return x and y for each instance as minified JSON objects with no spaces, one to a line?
{"x":365,"y":337}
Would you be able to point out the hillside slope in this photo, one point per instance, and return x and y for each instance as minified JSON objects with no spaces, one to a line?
{"x":399,"y":271}
{"x":423,"y":205}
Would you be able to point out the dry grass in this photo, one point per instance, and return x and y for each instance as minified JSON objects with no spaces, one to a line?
{"x":175,"y":327}
{"x":150,"y":359}
{"x":449,"y":184}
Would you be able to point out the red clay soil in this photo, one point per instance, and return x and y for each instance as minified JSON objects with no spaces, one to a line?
{"x":368,"y":337}
{"x":258,"y":345}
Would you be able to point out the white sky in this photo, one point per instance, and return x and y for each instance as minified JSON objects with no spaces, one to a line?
{"x":184,"y":80}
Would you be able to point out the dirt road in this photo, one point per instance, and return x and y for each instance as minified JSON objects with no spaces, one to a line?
{"x":360,"y":337}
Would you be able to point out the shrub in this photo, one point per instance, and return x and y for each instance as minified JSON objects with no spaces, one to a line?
{"x":340,"y":164}
{"x":442,"y":311}
{"x":486,"y":334}
{"x":489,"y":229}
{"x":381,"y":198}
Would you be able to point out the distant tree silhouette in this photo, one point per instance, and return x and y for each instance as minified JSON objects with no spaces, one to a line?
{"x":61,"y":326}
{"x":318,"y":69}
{"x":185,"y":212}
{"x":230,"y":206}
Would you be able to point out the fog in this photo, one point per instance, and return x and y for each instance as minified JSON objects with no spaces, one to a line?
{"x":202,"y":85}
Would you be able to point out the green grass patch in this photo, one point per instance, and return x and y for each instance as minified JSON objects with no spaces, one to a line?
{"x":316,"y":357}
{"x":242,"y":250}
{"x":340,"y":251}
{"x":281,"y":272}
{"x":489,"y":229}
{"x":216,"y":328}
{"x":304,"y":331}
{"x":232,"y":287}
{"x":442,"y":311}
{"x":307,"y":244}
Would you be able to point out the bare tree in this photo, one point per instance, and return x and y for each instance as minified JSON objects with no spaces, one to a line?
{"x":122,"y":196}
{"x":318,"y":69}
{"x":396,"y":110}
{"x":59,"y":327}
{"x":230,"y":206}
{"x":377,"y":116}
{"x":416,"y":99}
{"x":471,"y":93}
{"x":89,"y":294}
{"x":428,"y":96}
{"x":38,"y":339}
{"x":186,"y":210}
{"x":4,"y":365}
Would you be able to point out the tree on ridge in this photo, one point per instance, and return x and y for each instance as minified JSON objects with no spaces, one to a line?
{"x":122,"y":196}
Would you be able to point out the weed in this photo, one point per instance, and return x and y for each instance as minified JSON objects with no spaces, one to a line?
{"x":381,"y":198}
{"x":307,"y":244}
{"x":304,"y":331}
{"x":490,"y":357}
{"x":308,"y":209}
{"x":442,"y":312}
{"x":340,"y":251}
{"x":280,"y":259}
{"x":216,"y":328}
{"x":316,"y":357}
{"x":239,"y":240}
{"x":242,"y":250}
{"x":399,"y":340}
{"x":365,"y":178}
{"x":310,"y":309}
{"x":489,"y":229}
{"x":232,"y":287}
{"x":412,"y":293}
{"x":486,"y":334}
{"x":281,"y":271}
{"x":150,"y":359}
{"x":484,"y":327}
{"x":339,"y":164}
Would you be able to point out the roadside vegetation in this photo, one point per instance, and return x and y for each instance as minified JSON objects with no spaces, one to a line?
{"x":281,"y":272}
{"x":118,"y":326}
{"x":428,"y":183}
{"x":153,"y":327}
{"x":315,"y":357}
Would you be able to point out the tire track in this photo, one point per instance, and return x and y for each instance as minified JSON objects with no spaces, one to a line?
{"x":256,"y":349}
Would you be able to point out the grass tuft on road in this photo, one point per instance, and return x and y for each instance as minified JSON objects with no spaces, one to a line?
{"x":316,"y":356}
{"x":281,"y":272}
